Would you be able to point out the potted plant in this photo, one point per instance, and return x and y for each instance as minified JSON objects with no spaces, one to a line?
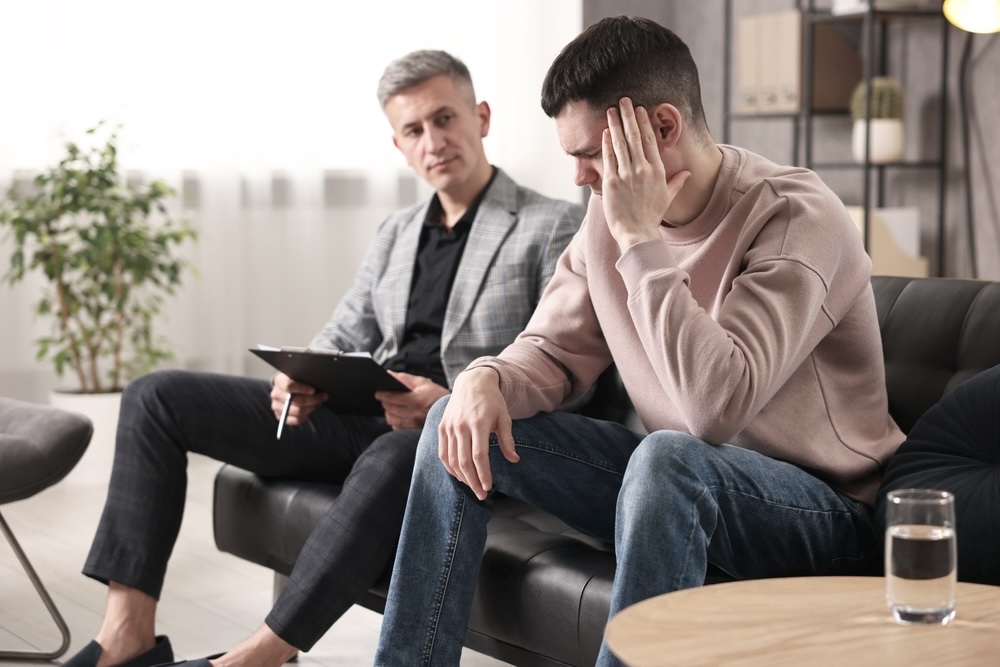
{"x":881,"y":119}
{"x":109,"y":252}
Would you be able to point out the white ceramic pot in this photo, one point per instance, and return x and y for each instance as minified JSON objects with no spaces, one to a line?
{"x":886,"y":138}
{"x":848,"y":6}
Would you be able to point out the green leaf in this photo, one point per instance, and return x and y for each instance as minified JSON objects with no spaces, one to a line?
{"x":109,"y":251}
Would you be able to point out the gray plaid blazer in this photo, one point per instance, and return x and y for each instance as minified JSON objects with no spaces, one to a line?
{"x":509,"y":257}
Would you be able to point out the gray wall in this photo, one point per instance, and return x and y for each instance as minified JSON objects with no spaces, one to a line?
{"x":914,"y":56}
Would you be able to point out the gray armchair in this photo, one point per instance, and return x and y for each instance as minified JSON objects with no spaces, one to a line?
{"x":39,"y":445}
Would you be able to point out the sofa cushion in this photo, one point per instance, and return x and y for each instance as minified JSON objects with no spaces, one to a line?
{"x":936,"y":334}
{"x":955,"y":447}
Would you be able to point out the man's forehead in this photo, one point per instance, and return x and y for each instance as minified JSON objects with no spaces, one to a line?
{"x":439,"y":86}
{"x":582,"y":114}
{"x":580,"y":127}
{"x":425,"y":100}
{"x":413,"y":115}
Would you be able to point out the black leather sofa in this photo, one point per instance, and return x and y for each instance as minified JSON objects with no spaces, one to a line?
{"x":544,"y":589}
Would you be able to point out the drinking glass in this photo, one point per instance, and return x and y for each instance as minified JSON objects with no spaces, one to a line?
{"x":920,"y":556}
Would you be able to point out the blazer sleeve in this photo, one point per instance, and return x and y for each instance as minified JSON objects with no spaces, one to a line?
{"x":353,"y":325}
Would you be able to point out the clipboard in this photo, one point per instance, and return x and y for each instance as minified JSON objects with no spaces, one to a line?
{"x":350,"y":379}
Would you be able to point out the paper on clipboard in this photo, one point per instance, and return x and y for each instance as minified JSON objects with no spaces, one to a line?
{"x":349,"y":378}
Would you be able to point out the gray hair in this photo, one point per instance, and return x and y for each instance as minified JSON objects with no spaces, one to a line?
{"x":416,"y":67}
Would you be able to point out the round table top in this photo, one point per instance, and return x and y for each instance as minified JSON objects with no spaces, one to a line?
{"x":811,"y":621}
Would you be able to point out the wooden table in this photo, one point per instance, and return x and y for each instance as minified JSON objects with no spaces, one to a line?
{"x":807,"y":621}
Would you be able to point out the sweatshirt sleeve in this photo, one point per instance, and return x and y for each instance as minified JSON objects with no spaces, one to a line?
{"x":720,"y":370}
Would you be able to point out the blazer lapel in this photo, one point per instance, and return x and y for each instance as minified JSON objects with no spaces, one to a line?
{"x":496,"y":216}
{"x":403,"y":259}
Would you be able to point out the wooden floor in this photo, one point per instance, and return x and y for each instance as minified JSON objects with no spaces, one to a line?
{"x":211,"y":600}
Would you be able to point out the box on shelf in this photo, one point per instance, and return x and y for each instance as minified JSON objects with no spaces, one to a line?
{"x":769,"y":73}
{"x":858,"y":6}
{"x":894,"y":240}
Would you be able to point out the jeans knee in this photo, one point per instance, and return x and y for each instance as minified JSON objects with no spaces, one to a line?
{"x":427,"y":448}
{"x":661,"y":451}
{"x":665,"y":463}
{"x":435,"y":414}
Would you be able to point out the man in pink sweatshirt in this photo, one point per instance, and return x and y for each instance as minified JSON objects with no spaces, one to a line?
{"x":733,"y":295}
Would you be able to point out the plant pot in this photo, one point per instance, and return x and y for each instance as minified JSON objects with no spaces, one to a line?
{"x":102,"y":410}
{"x":848,"y":6}
{"x":886,"y":138}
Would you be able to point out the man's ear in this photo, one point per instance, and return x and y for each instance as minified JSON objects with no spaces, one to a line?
{"x":668,"y":124}
{"x":483,"y":111}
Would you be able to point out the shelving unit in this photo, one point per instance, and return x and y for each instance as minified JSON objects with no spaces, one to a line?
{"x":873,"y":25}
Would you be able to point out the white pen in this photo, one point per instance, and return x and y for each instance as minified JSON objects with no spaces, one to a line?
{"x":284,"y":414}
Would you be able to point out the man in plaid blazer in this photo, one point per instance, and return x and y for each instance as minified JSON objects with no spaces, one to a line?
{"x":446,"y":281}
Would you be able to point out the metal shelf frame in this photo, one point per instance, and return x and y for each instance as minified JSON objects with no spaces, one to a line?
{"x":874,"y":57}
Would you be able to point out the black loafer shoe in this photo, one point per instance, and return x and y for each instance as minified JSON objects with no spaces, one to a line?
{"x":200,"y":662}
{"x":160,"y":653}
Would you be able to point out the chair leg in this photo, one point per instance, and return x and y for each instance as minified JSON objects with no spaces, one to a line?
{"x":49,"y":604}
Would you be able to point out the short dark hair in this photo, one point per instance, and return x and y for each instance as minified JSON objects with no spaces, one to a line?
{"x":625,"y":56}
{"x":418,"y":66}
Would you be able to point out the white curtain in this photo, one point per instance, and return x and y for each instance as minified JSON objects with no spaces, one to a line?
{"x":263,"y":114}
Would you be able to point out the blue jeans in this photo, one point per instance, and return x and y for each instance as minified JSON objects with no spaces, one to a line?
{"x":670,"y":502}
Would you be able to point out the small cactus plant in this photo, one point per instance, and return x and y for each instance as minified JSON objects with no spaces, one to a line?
{"x":887,"y":99}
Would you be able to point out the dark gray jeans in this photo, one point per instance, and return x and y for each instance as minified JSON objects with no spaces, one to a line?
{"x":166,"y":415}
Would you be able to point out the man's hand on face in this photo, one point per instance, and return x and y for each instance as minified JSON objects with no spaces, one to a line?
{"x":305,"y":399}
{"x":636,"y":193}
{"x":408,"y":409}
{"x":475,"y":410}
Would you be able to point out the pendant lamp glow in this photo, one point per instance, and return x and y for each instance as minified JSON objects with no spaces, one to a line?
{"x":981,"y":16}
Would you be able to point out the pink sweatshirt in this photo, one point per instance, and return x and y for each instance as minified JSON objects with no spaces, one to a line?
{"x":752,"y":325}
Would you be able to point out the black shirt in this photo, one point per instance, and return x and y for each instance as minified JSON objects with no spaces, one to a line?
{"x":438,"y":256}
